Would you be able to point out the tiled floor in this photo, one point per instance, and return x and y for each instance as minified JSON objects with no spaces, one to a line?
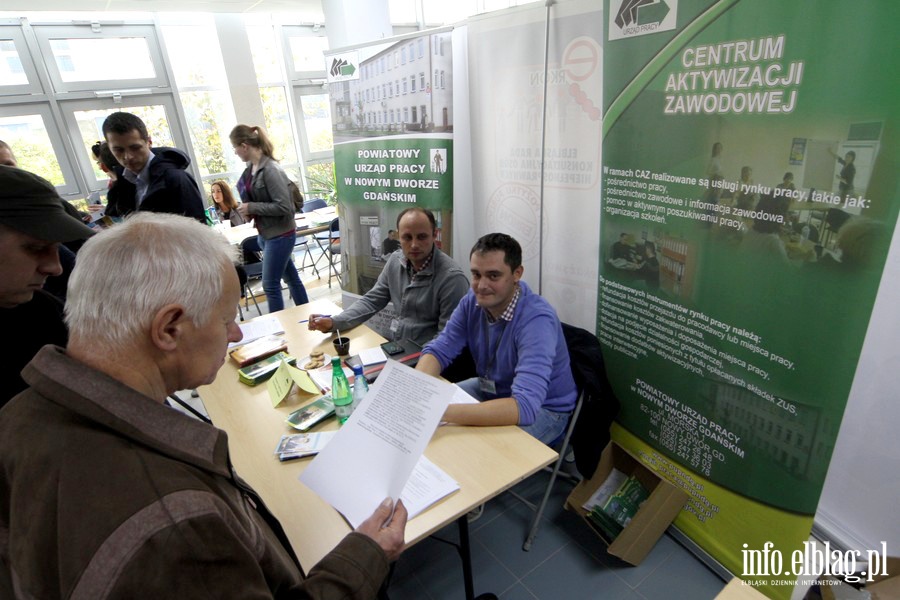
{"x":566,"y":561}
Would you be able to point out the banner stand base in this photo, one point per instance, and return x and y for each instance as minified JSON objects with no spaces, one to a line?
{"x":701,"y":554}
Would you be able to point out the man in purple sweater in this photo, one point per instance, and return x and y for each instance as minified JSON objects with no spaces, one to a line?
{"x":517,"y":342}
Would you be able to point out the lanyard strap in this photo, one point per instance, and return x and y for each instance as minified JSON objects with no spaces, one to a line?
{"x":492,"y":353}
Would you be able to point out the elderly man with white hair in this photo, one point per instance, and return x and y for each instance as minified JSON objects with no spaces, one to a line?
{"x":106,"y":492}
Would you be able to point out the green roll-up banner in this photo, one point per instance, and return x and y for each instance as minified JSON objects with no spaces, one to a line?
{"x":750,"y":192}
{"x":392,"y":111}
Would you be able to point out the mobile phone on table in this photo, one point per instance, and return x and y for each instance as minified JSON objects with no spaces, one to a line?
{"x":392,"y":348}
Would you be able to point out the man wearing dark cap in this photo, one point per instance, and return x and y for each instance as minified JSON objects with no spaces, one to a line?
{"x":33,"y":223}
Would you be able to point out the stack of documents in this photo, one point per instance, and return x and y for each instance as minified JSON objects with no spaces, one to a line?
{"x":378,"y":451}
{"x":258,"y":328}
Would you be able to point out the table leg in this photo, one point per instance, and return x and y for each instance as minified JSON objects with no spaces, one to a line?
{"x":465,"y":553}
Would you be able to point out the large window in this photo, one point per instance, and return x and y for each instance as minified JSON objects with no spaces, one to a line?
{"x":86,"y":58}
{"x":84,"y":119}
{"x":306,"y":51}
{"x":317,"y":122}
{"x":441,"y":12}
{"x":203,"y":90}
{"x":278,"y":123}
{"x":123,"y":58}
{"x":62,"y":75}
{"x":17,"y":72}
{"x":28,"y":137}
{"x":11,"y":69}
{"x":271,"y":80}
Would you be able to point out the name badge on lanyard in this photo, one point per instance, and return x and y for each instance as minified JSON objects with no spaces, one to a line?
{"x":487,"y":385}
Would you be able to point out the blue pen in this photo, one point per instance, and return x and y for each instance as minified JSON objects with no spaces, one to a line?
{"x":317,"y":317}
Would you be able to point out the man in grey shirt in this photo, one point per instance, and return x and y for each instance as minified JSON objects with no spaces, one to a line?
{"x":424,"y":284}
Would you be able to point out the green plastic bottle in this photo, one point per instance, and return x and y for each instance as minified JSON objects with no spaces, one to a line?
{"x":340,"y":391}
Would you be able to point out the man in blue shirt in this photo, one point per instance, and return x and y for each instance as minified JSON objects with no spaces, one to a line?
{"x":517,"y":342}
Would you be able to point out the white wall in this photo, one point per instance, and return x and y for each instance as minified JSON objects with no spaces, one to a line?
{"x":557,"y":224}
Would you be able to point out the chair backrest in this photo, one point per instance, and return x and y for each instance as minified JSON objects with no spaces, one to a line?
{"x":242,"y":277}
{"x":813,"y":234}
{"x":314,"y":204}
{"x":251,"y":253}
{"x":600,"y":407}
{"x":334,"y":237}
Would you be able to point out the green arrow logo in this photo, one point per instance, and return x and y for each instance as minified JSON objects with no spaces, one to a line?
{"x":653,"y":13}
{"x":348,"y":70}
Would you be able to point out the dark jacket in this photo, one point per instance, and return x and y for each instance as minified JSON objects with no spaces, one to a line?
{"x":600,"y":406}
{"x":172,"y":188}
{"x":106,"y":493}
{"x":120,"y":196}
{"x":29,"y":327}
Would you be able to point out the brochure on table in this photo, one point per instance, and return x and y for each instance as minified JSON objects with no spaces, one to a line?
{"x":258,"y":328}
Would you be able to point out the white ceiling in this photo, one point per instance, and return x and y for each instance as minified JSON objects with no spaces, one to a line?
{"x":221,"y":6}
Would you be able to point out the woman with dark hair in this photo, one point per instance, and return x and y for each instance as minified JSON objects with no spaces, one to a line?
{"x":267,"y":199}
{"x":118,"y":187}
{"x":226,"y":205}
{"x":847,"y":174}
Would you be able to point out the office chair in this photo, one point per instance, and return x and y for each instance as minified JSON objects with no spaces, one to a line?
{"x":251,"y":255}
{"x":834,"y":220}
{"x":243,"y":279}
{"x":331,"y":248}
{"x":303,"y":242}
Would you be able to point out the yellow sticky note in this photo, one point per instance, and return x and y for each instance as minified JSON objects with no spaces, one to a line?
{"x":303,"y":380}
{"x":280,"y":384}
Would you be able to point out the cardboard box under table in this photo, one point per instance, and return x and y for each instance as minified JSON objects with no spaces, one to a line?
{"x":650,"y":521}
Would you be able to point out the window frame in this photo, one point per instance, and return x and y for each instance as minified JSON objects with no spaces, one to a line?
{"x":15,"y":32}
{"x":291,"y":31}
{"x":309,"y":157}
{"x":45,"y":32}
{"x":68,"y":108}
{"x":54,"y":131}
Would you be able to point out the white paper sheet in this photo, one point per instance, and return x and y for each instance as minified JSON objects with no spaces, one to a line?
{"x":259,"y":328}
{"x":377,"y":449}
{"x":461,"y":397}
{"x":427,"y":484}
{"x":372,"y":356}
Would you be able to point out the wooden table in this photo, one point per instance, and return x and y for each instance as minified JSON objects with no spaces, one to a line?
{"x":484,"y":460}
